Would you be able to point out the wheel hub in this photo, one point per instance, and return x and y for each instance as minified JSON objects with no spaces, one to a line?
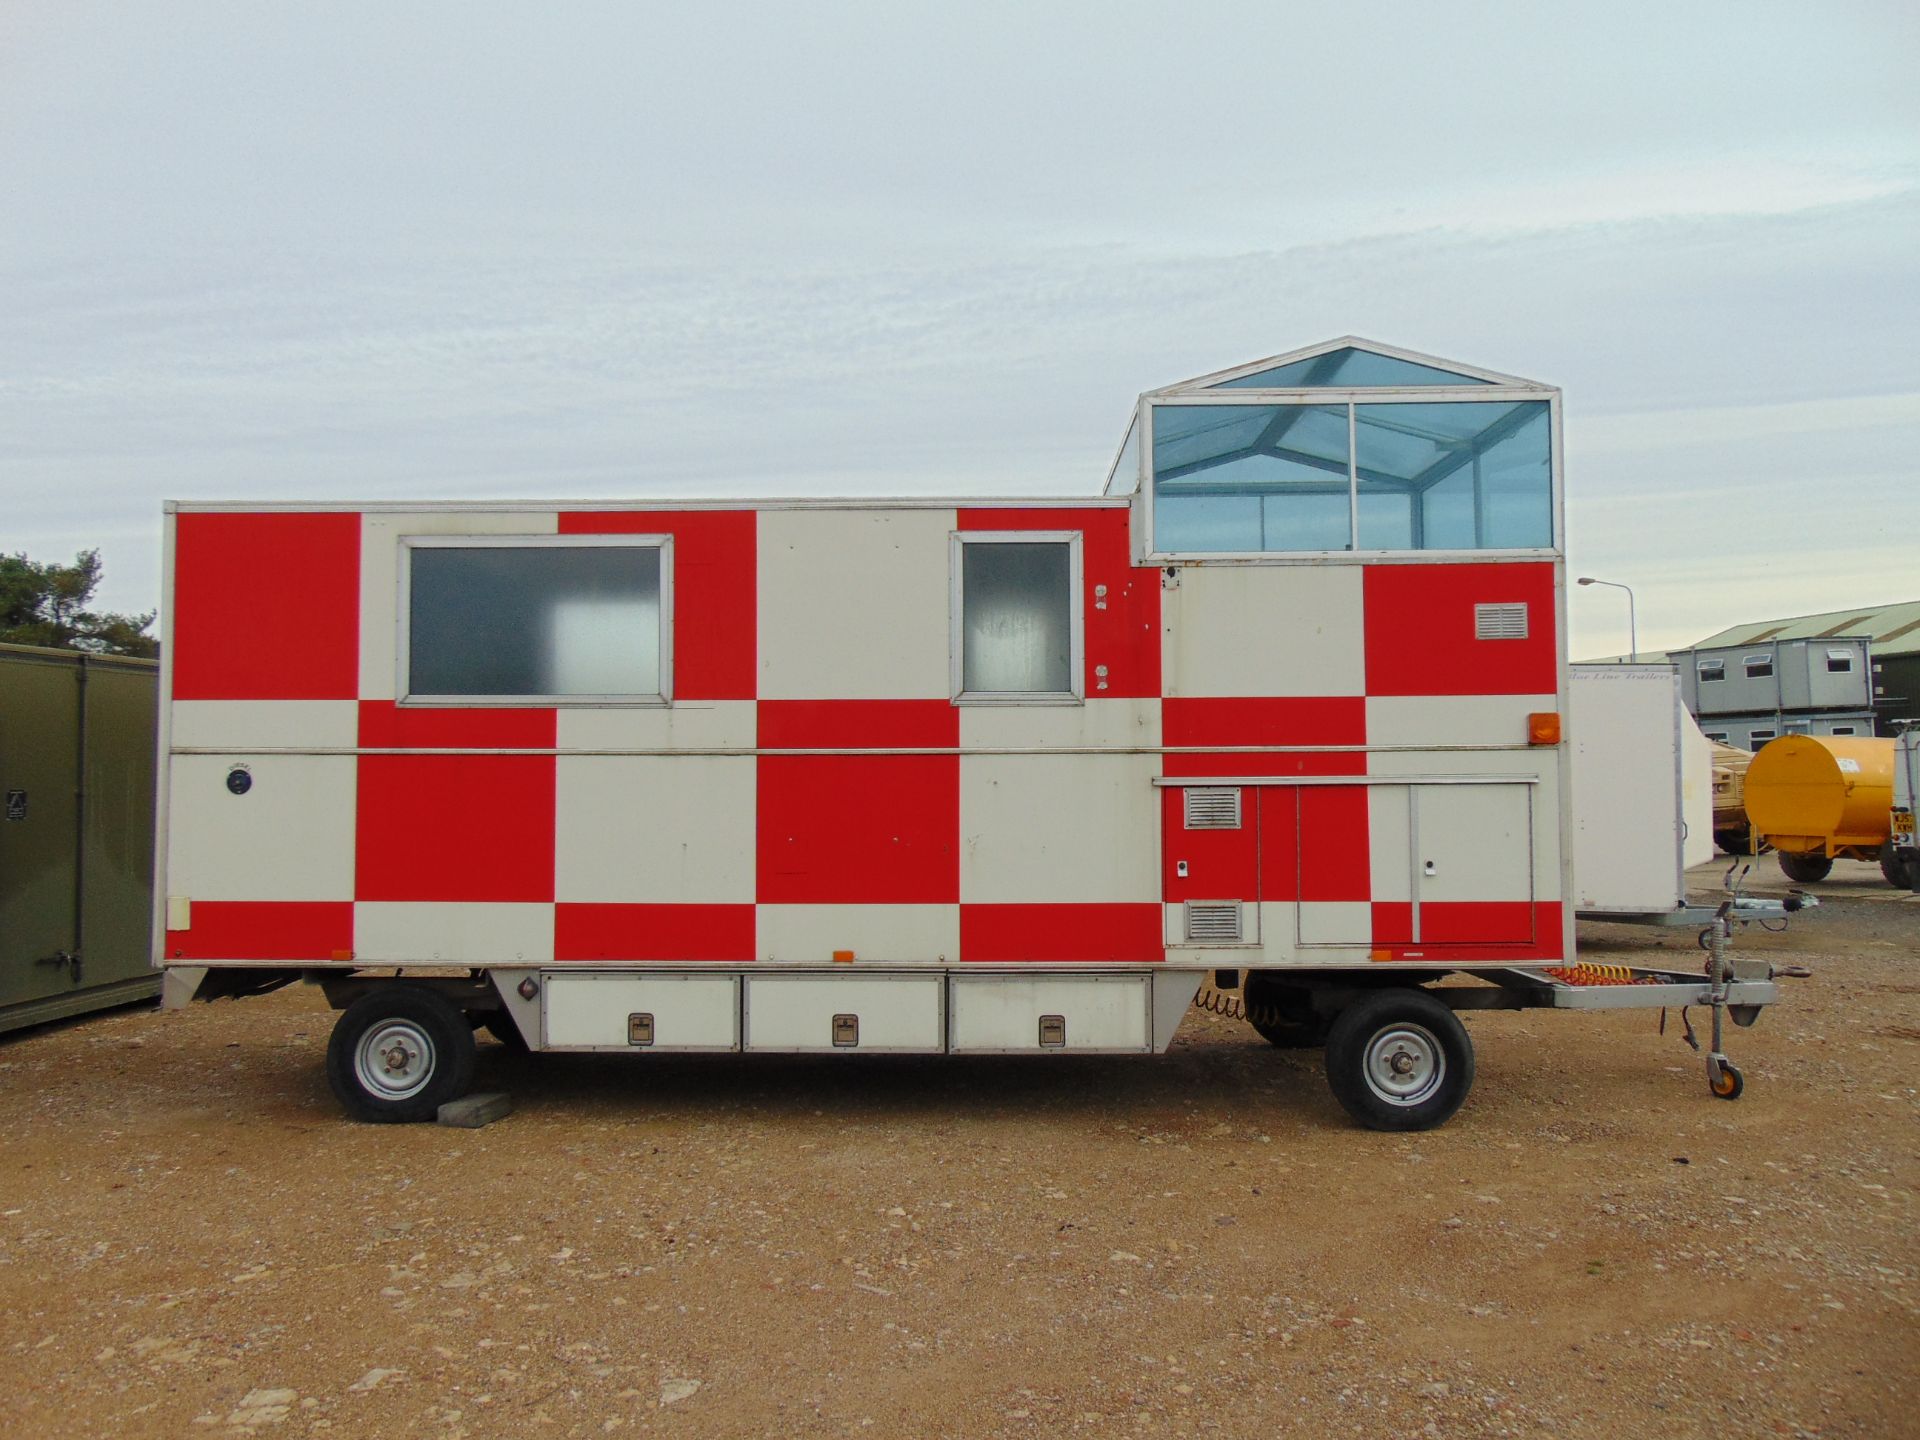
{"x":394,"y":1060}
{"x":1405,"y":1064}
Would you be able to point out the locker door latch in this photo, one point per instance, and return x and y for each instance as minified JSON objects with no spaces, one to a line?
{"x":70,"y":959}
{"x":1431,"y":868}
{"x":846,"y":1030}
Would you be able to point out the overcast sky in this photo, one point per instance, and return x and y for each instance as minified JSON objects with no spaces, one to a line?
{"x":350,"y":251}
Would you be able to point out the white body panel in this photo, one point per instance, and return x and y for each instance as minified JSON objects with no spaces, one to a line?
{"x":1059,"y":828}
{"x":451,"y":932}
{"x":1625,"y":731}
{"x":610,"y":843}
{"x":793,"y":1013}
{"x":688,"y":1012}
{"x":1316,"y":646}
{"x":993,"y":1013}
{"x":291,"y":836}
{"x":854,"y":604}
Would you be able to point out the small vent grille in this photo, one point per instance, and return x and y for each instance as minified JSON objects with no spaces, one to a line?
{"x":1500,"y":622}
{"x":1215,"y":920}
{"x":1216,"y":809}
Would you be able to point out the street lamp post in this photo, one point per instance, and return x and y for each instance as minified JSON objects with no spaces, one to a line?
{"x":1633,"y":629}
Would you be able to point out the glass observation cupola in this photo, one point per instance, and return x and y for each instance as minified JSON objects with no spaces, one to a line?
{"x":1344,"y":448}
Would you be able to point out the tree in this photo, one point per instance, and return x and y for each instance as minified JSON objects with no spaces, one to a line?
{"x":47,"y":605}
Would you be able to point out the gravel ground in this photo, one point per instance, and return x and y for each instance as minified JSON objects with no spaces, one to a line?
{"x":192,"y":1241}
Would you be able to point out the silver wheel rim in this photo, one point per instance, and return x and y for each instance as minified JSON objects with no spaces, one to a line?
{"x":1404,"y":1064}
{"x":394,"y":1060}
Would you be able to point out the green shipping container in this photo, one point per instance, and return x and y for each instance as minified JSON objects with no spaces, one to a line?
{"x":76,"y":832}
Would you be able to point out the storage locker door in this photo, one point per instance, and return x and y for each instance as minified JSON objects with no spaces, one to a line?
{"x":1473,"y":864}
{"x":1211,"y":851}
{"x":39,"y":759}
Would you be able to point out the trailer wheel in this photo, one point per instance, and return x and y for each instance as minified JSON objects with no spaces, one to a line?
{"x":1729,"y":1083}
{"x":1897,"y":869}
{"x":1399,"y":1060}
{"x":398,"y":1054}
{"x":1805,"y":868}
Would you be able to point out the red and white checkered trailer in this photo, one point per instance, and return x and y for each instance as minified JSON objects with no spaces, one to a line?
{"x":907,"y":775}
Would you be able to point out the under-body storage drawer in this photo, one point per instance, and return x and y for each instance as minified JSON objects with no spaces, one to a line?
{"x":846,"y":1012}
{"x":997,"y":1013}
{"x":641,"y":1012}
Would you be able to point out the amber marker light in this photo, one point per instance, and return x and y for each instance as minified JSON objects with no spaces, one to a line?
{"x":1543,"y":727}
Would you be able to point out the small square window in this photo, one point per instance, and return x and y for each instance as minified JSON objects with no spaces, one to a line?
{"x":1839,"y":662}
{"x":1017,"y":616}
{"x":1719,"y":737}
{"x":1712,"y":670}
{"x":1844,"y":730}
{"x":1758,"y":667}
{"x":1756,"y":736}
{"x":536,"y":619}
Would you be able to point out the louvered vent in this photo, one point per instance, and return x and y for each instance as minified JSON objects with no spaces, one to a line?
{"x":1500,"y":622}
{"x":1213,"y":920}
{"x":1213,"y":809}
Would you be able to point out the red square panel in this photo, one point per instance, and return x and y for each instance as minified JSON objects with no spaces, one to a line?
{"x":653,"y":932}
{"x":1094,"y":933}
{"x":1392,"y":922}
{"x":265,"y":930}
{"x":455,"y":827}
{"x":854,"y":829}
{"x":1289,"y":720}
{"x":387,"y":726}
{"x":1420,"y":630}
{"x":1221,"y":864}
{"x":858,"y":725}
{"x":1334,"y":860}
{"x":1477,"y":922}
{"x":1279,"y":842}
{"x":266,"y":606}
{"x":715,"y":592}
{"x":1122,"y":625}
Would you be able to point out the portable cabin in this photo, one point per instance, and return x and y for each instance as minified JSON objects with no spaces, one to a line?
{"x":76,"y":832}
{"x":902,"y":775}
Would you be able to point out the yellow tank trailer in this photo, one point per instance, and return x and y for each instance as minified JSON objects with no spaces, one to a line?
{"x":1817,"y":798}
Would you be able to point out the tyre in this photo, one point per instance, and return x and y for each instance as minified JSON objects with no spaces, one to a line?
{"x":499,"y":1024}
{"x":1399,"y":1060}
{"x":1729,"y":1084}
{"x":398,"y":1054}
{"x":1734,"y":842}
{"x":1897,"y":869}
{"x":1804,"y":868}
{"x":1283,"y":1015}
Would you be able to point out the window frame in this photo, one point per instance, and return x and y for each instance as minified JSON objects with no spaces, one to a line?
{"x":1718,"y":668}
{"x":1352,"y":398}
{"x":1074,"y":540}
{"x":1844,"y":730}
{"x":403,"y":646}
{"x":1747,"y":662}
{"x":1753,"y":735}
{"x":1839,"y":661}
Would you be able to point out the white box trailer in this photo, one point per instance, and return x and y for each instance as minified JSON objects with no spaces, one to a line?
{"x":1282,"y":707}
{"x":1642,"y":790}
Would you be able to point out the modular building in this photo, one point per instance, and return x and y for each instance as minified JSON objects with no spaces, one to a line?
{"x":1833,"y":689}
{"x":1748,"y":694}
{"x":905,"y":775}
{"x":76,"y":834}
